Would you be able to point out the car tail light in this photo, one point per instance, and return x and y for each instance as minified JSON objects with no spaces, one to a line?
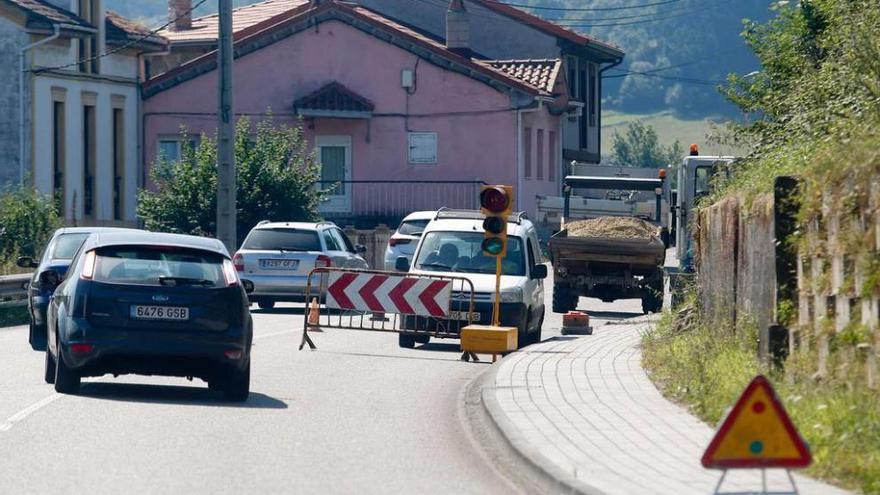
{"x":229,"y":274}
{"x":398,"y":242}
{"x":88,"y":270}
{"x":238,"y":261}
{"x":81,"y":348}
{"x":323,"y":261}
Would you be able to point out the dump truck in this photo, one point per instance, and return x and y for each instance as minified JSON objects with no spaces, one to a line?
{"x":609,"y":257}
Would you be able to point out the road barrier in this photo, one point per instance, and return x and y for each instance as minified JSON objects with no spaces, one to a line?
{"x":13,"y":290}
{"x":422,"y":306}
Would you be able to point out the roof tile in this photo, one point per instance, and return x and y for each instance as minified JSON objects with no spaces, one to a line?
{"x":541,"y":74}
{"x":45,"y":11}
{"x":334,"y":97}
{"x":206,"y":29}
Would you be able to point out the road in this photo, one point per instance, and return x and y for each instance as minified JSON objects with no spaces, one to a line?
{"x":359,"y":415}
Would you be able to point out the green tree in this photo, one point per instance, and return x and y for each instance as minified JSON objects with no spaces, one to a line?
{"x":276,"y":176}
{"x":639,"y":146}
{"x":27,"y":220}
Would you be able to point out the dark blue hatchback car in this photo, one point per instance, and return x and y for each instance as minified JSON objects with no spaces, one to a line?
{"x":149,"y":304}
{"x":61,"y":248}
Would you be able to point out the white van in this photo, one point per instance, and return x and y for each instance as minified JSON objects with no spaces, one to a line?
{"x":451,"y":244}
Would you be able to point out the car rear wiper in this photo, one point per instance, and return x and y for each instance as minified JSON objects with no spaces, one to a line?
{"x":292,"y":250}
{"x":177,"y":281}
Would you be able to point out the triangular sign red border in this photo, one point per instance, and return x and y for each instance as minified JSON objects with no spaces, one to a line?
{"x":802,"y":460}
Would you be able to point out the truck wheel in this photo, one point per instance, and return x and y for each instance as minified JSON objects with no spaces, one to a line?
{"x":406,"y":341}
{"x":562,"y":299}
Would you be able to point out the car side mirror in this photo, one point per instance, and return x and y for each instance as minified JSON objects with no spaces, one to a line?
{"x":50,"y":279}
{"x":248,"y":286}
{"x":539,"y":272}
{"x":402,"y":264}
{"x":360,"y":249}
{"x":26,"y":262}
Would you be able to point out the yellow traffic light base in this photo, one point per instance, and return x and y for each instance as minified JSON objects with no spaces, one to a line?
{"x":487,"y":339}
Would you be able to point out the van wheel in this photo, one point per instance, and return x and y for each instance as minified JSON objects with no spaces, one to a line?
{"x":536,"y":335}
{"x":523,"y":337}
{"x":406,"y":341}
{"x":266,"y":304}
{"x":67,"y":380}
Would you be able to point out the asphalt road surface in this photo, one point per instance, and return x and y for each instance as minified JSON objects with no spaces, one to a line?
{"x":359,"y":415}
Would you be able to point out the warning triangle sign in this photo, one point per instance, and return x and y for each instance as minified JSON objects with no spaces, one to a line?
{"x":757,"y":434}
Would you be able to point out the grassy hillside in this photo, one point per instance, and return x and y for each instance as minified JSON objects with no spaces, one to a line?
{"x":669,"y":127}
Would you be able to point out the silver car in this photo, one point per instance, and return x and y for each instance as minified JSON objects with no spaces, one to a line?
{"x":278,"y":257}
{"x":404,"y":240}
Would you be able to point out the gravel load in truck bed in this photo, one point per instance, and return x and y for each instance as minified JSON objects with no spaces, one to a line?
{"x":613,"y":227}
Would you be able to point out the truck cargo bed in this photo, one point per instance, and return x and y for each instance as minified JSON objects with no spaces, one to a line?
{"x":637,"y":252}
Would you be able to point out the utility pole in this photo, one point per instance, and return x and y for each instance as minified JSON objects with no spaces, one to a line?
{"x":226,"y":211}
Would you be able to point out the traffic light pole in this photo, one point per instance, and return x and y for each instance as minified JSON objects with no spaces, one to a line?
{"x":496,"y":311}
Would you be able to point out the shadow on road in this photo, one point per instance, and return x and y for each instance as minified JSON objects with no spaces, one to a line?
{"x":171,"y":394}
{"x":613,"y":315}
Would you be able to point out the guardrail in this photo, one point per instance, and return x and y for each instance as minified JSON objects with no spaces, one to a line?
{"x":13,"y":290}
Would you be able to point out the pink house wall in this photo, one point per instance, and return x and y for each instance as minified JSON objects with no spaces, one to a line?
{"x":477,"y":129}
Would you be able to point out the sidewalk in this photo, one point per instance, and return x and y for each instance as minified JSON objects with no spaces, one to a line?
{"x":585,"y":412}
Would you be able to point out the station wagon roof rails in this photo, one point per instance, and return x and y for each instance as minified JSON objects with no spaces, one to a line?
{"x":262,"y":222}
{"x":450,"y":214}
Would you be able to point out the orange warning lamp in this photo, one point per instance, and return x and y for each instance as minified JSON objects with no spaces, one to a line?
{"x":695,"y":150}
{"x":662,"y":174}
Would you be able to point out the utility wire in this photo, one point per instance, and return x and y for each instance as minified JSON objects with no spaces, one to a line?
{"x":630,"y":23}
{"x":590,"y":9}
{"x":118,"y":49}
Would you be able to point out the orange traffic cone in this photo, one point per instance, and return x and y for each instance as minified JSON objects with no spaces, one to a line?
{"x":314,"y":312}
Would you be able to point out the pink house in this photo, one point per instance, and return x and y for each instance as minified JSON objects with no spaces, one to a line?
{"x":402,"y":120}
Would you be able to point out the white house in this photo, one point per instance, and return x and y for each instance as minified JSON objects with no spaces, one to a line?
{"x":69,"y":115}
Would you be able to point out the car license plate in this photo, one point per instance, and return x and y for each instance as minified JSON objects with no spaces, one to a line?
{"x":463,"y":315}
{"x":167,"y":313}
{"x":279,"y":264}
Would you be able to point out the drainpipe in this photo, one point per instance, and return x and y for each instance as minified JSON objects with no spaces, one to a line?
{"x":599,"y":97}
{"x":21,"y":98}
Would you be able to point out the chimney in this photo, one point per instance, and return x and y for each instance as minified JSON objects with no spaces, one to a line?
{"x":458,"y":29}
{"x":180,"y":14}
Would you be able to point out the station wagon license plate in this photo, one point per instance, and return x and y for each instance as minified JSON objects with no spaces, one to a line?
{"x":166,"y":313}
{"x":279,"y":264}
{"x":463,"y":315}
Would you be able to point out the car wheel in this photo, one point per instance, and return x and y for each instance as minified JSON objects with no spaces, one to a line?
{"x":37,"y":337}
{"x":266,"y":304}
{"x":67,"y":380}
{"x":49,"y":368}
{"x":406,"y":341}
{"x":423,"y":339}
{"x":522,"y":333}
{"x":238,"y":384}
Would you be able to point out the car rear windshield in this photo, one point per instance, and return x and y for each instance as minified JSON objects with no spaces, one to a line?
{"x":65,"y":246}
{"x":162,"y":266}
{"x":412,"y":227}
{"x":282,"y":240}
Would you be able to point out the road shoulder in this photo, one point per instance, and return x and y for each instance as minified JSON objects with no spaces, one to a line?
{"x":583,"y":414}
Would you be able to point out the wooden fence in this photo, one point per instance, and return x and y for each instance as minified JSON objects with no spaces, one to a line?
{"x":748,"y":271}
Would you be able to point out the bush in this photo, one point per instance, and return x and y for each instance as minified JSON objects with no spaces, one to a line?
{"x":276,"y":176}
{"x":27,"y":220}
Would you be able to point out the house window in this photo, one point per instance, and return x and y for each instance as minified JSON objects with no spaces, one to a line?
{"x":551,"y":162}
{"x":527,"y":145}
{"x":582,"y":83}
{"x":572,"y":77}
{"x":118,"y":163}
{"x":171,"y":150}
{"x":540,"y":162}
{"x":58,"y":151}
{"x":594,"y":91}
{"x":88,"y":160}
{"x":422,"y":147}
{"x":88,"y":45}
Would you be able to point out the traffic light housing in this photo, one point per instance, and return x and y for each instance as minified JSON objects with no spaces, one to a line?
{"x":496,"y":202}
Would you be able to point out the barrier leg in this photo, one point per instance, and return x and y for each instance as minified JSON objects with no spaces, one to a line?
{"x":307,"y":340}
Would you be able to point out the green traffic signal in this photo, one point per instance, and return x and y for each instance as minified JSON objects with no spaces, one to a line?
{"x":493,"y":246}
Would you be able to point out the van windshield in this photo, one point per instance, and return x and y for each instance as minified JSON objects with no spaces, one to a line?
{"x":463,"y":252}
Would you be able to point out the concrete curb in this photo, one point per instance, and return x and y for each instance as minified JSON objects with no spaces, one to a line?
{"x":542,"y":472}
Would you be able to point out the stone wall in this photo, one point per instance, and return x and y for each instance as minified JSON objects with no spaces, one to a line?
{"x":376,"y":242}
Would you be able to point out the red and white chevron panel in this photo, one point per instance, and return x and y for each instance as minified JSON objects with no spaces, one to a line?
{"x":388,"y":294}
